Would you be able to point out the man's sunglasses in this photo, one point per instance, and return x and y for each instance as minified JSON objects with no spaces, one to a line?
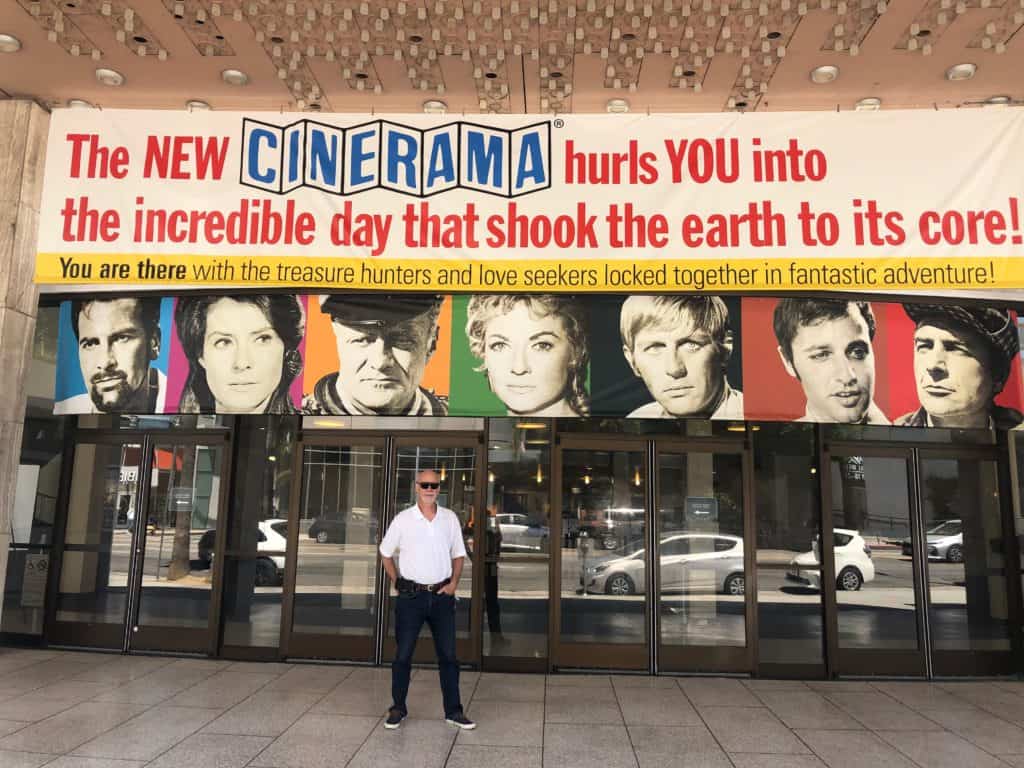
{"x":430,"y":486}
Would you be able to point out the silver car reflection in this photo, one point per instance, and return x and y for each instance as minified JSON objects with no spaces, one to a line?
{"x":690,"y":562}
{"x":945,"y":542}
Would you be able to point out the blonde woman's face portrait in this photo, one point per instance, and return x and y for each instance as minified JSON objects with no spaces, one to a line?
{"x":243,"y":356}
{"x":527,"y":360}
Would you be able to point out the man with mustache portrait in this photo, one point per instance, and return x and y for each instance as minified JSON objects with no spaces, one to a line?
{"x":117,"y":341}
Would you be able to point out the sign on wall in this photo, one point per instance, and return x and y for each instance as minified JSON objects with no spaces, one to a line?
{"x":583,"y":203}
{"x":823,"y":360}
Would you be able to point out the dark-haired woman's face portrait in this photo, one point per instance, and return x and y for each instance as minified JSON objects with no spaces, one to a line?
{"x":527,"y":359}
{"x":242,"y":355}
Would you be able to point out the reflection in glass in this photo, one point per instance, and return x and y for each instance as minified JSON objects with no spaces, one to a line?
{"x":184,"y":499}
{"x":456,"y":467}
{"x":966,"y":568}
{"x":604,"y":563}
{"x":700,"y":509}
{"x":98,"y":535}
{"x":516,"y":538}
{"x":876,"y":601}
{"x":336,"y":569}
{"x":252,"y":603}
{"x":790,"y":622}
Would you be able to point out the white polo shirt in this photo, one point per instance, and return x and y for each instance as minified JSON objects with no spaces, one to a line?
{"x":426,"y":547}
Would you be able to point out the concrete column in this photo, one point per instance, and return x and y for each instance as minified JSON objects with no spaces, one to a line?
{"x":23,"y":126}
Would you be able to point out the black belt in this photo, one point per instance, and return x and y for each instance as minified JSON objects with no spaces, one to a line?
{"x":414,"y":586}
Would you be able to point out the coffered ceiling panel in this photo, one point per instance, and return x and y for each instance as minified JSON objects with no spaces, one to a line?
{"x":513,"y":56}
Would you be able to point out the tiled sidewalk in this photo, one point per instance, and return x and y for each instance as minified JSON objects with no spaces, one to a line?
{"x":83,"y":710}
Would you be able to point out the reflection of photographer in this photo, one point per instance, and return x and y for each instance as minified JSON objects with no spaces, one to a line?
{"x":492,"y":550}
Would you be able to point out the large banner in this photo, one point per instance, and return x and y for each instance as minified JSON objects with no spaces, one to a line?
{"x":822,"y":360}
{"x":892,"y":200}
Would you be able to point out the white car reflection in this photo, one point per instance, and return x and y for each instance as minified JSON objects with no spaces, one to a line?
{"x":519,"y":532}
{"x":689,"y":562}
{"x":854,"y":566}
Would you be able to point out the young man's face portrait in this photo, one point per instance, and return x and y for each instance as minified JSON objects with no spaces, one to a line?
{"x":380,"y":366}
{"x":953,"y":375}
{"x":114,"y":350}
{"x":834,"y":362}
{"x":682,"y":366}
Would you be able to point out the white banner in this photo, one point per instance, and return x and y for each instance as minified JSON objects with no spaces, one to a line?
{"x":892,"y":200}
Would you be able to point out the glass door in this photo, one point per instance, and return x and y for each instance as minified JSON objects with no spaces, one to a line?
{"x":877,"y":568}
{"x":459,"y":462}
{"x":95,"y":553}
{"x":965,"y":545}
{"x":602,"y":578}
{"x":703,"y":606}
{"x":172,"y":601}
{"x":340,"y":504}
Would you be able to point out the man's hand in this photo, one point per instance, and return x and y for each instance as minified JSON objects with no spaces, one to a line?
{"x":448,"y":589}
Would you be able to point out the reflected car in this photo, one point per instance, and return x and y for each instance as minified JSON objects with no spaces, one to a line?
{"x":271,"y":536}
{"x":612,"y":527}
{"x":326,"y":530}
{"x":518,"y":532}
{"x":945,"y":542}
{"x":854,"y":566}
{"x":689,"y":562}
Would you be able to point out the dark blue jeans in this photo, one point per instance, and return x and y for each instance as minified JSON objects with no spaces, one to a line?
{"x":438,"y":611}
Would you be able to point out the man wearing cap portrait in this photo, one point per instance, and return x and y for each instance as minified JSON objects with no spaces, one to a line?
{"x":962,"y":359}
{"x":384,"y":344}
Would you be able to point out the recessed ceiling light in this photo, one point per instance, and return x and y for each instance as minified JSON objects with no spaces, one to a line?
{"x":79,"y":104}
{"x":997,"y":101}
{"x":9,"y":44}
{"x":628,"y":36}
{"x":415,"y":38}
{"x":617,"y":106}
{"x":824,"y":74}
{"x":773,"y":35}
{"x":868,"y":104}
{"x":234,"y":77}
{"x":961,"y":71}
{"x":109,"y":76}
{"x":434,"y":107}
{"x":195,"y":105}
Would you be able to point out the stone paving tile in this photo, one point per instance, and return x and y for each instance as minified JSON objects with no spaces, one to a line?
{"x":260,"y":667}
{"x":212,"y":750}
{"x":73,"y":690}
{"x":876,"y":710}
{"x":493,"y":687}
{"x":583,"y":712}
{"x":502,"y":711}
{"x":311,"y":678}
{"x":673,"y":741}
{"x":775,"y":685}
{"x":807,"y":709}
{"x":939,"y":750}
{"x":39,"y":675}
{"x":72,"y":727}
{"x":157,"y":686}
{"x":463,"y":756}
{"x":717,"y":692}
{"x":31,"y":708}
{"x":643,"y":682}
{"x":10,"y":759}
{"x":264,"y":713}
{"x":126,"y":669}
{"x":853,"y":749}
{"x":579,"y":681}
{"x":70,"y":761}
{"x":419,"y":743}
{"x":221,"y":691}
{"x":586,"y":746}
{"x":10,"y":726}
{"x":656,"y":707}
{"x":503,"y":733}
{"x":317,"y":741}
{"x":835,"y":686}
{"x":921,"y":696}
{"x":981,"y":728}
{"x":746,"y":729}
{"x":700,"y":760}
{"x":147,"y":736}
{"x":747,"y":760}
{"x":1015,"y":760}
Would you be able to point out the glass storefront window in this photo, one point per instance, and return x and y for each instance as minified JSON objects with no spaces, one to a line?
{"x":789,"y":600}
{"x":517,"y":545}
{"x":153,"y":421}
{"x":394,"y":423}
{"x":937,"y":435}
{"x":258,"y":531}
{"x":653,"y":427}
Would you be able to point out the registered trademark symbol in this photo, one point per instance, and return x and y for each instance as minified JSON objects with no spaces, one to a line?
{"x":559,"y":123}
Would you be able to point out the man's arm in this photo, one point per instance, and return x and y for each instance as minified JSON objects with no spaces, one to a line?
{"x":453,"y":583}
{"x":389,"y":568}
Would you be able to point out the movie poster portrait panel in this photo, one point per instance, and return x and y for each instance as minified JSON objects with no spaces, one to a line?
{"x":237,"y":354}
{"x":112,"y":355}
{"x":668,"y":357}
{"x":815,"y":360}
{"x":521,"y":355}
{"x":378,"y":355}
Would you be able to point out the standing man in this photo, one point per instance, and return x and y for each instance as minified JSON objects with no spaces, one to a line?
{"x":384,"y":346}
{"x":118,"y":339}
{"x":962,"y":359}
{"x":429,"y":540}
{"x":825,"y":344}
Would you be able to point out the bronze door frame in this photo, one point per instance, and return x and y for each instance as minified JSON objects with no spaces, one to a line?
{"x":727,"y":659}
{"x":127,"y":636}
